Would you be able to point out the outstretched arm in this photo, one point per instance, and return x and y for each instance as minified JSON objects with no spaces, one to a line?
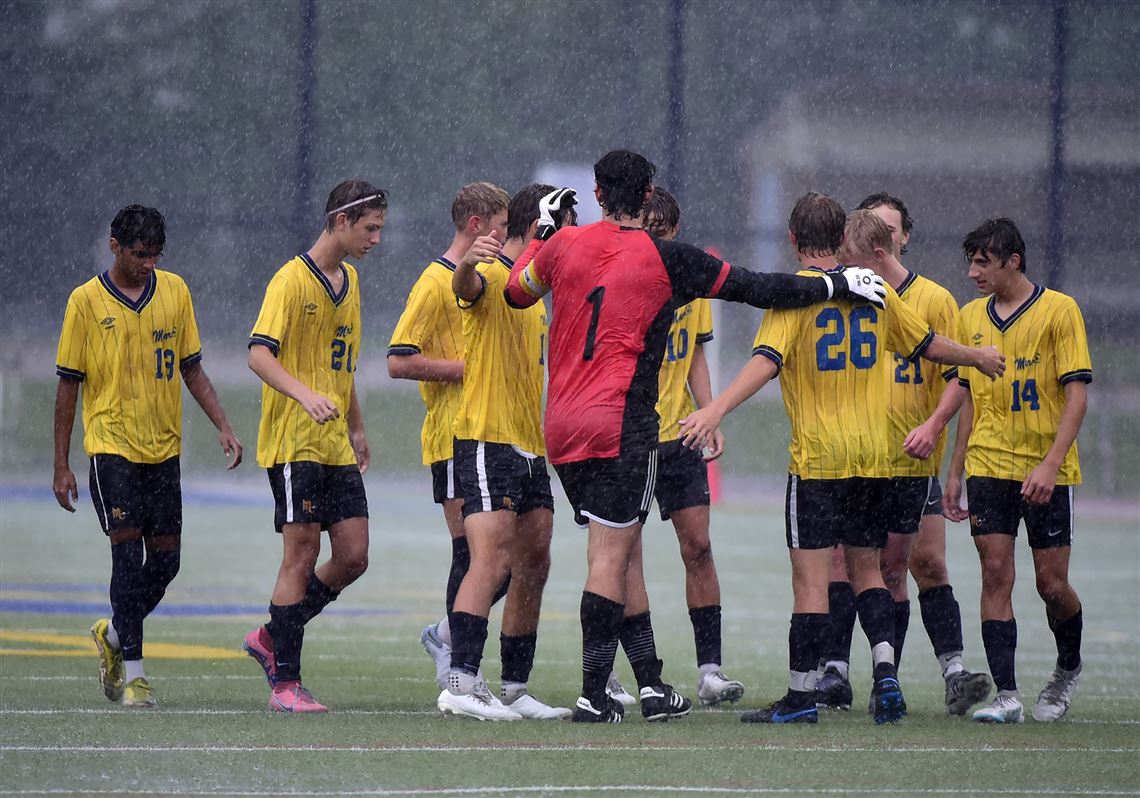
{"x":425,"y":369}
{"x":986,"y":359}
{"x":204,"y":394}
{"x":63,"y":481}
{"x":700,"y":383}
{"x":701,"y":426}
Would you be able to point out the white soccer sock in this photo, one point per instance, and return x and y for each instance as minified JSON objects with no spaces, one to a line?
{"x":510,"y":691}
{"x":443,"y":631}
{"x":460,"y":682}
{"x":883,"y":652}
{"x":112,"y":636}
{"x":840,"y":666}
{"x":133,"y":669}
{"x":798,"y":681}
{"x":951,"y":663}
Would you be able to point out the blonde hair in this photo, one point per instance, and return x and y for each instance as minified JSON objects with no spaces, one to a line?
{"x":478,"y":199}
{"x":864,"y":233}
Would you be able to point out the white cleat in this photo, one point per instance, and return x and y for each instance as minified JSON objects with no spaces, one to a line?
{"x":1006,"y":708}
{"x":530,"y":708}
{"x":440,"y":653}
{"x":615,"y":691}
{"x":478,"y":704}
{"x":714,"y":688}
{"x":1054,"y":700}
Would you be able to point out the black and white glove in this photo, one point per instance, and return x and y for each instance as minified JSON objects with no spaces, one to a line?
{"x":552,"y":209}
{"x":857,"y":284}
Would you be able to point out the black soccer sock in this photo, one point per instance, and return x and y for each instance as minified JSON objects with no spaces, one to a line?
{"x":318,"y":595}
{"x":468,"y":636}
{"x":128,"y":596}
{"x":902,"y":622}
{"x":460,"y":562}
{"x":806,"y":635}
{"x":836,"y":643}
{"x":640,"y":649}
{"x":1068,"y":636}
{"x":706,"y":633}
{"x":942,"y":618}
{"x":517,"y":653}
{"x":601,"y":627}
{"x":1000,"y":641}
{"x":159,"y":571}
{"x":287,"y":630}
{"x":876,"y":611}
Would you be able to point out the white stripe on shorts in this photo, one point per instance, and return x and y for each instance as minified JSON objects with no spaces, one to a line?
{"x":650,"y":481}
{"x":287,"y":472}
{"x":99,"y":488}
{"x":793,"y":507}
{"x":449,"y":491}
{"x":481,"y":472}
{"x":1072,"y":516}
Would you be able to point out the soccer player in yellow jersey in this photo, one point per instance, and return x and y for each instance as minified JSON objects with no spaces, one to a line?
{"x":913,"y":504}
{"x":682,"y":489}
{"x":130,"y":340}
{"x":1017,"y":439}
{"x":427,"y":345}
{"x":833,"y":361}
{"x":305,"y":347}
{"x":508,"y":509}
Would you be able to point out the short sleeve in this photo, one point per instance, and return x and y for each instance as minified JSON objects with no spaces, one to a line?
{"x":778,"y":331}
{"x":71,"y":357}
{"x":907,"y":333}
{"x":272,"y":325}
{"x":704,"y":321}
{"x":419,"y":318}
{"x":189,"y":343}
{"x":1074,"y":364}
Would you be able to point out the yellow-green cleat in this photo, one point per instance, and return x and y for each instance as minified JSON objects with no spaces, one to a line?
{"x":138,"y":693}
{"x":110,"y":661}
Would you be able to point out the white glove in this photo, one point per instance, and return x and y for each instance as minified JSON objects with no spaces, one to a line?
{"x":551,"y":211}
{"x":859,"y":285}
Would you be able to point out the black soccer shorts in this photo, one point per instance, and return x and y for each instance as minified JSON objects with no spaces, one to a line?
{"x":497,"y":476}
{"x":305,"y":492}
{"x":682,"y":478}
{"x":144,"y":496}
{"x":908,"y":499}
{"x":821,"y":513}
{"x":997,"y":507}
{"x":444,"y":481}
{"x":614,"y":491}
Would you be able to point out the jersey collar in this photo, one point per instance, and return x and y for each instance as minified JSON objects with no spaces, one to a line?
{"x":1005,"y":324}
{"x":335,"y":297}
{"x":135,"y":305}
{"x":445,"y":263}
{"x":907,"y":282}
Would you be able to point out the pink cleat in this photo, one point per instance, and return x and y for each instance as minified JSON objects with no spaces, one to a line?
{"x":292,"y":697}
{"x":259,"y":645}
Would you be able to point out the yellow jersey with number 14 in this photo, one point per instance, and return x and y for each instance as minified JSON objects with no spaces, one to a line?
{"x":314,"y":332}
{"x":129,"y":355}
{"x":692,"y":327}
{"x":1016,"y":415}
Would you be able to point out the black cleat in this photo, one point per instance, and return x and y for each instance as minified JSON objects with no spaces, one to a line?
{"x":584,"y":712}
{"x":889,"y":704}
{"x":661,"y":702}
{"x":792,"y":708}
{"x":832,"y":691}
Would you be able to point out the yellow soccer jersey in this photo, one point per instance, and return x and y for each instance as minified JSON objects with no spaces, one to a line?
{"x":833,"y":359}
{"x":503,"y":365}
{"x":129,"y":356}
{"x":315,"y":334}
{"x":692,"y":326}
{"x":1016,"y":415}
{"x":431,"y":325}
{"x":917,"y":386}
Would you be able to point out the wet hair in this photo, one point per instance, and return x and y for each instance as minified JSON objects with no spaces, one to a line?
{"x":523,"y":210}
{"x":865,"y":232}
{"x":817,"y":223}
{"x":478,"y":199}
{"x":623,"y":178}
{"x":995,"y":237}
{"x":662,"y":213}
{"x":354,"y":198}
{"x":138,"y":224}
{"x":883,"y":198}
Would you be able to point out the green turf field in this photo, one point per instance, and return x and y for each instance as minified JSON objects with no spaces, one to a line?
{"x":211,"y":733}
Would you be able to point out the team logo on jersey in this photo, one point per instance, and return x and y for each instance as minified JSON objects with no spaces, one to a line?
{"x":161,"y":334}
{"x":343,"y":331}
{"x":118,"y":513}
{"x":311,"y":309}
{"x":307,"y":505}
{"x":978,"y":337}
{"x":108,"y":322}
{"x":1025,"y":362}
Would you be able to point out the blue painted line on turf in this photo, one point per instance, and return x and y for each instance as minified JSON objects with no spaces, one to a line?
{"x":173,"y":610}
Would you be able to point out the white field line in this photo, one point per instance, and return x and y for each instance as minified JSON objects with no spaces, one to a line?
{"x":555,"y":747}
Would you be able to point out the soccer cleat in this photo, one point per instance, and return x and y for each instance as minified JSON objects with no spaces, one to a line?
{"x":584,"y":711}
{"x":1054,"y":700}
{"x":138,"y":693}
{"x":889,"y":704}
{"x":964,"y":689}
{"x":478,"y":704}
{"x":530,"y":708}
{"x":259,"y":645}
{"x":440,"y":653}
{"x":1005,"y":708}
{"x":292,"y":697}
{"x":832,"y":691}
{"x":792,"y":708}
{"x":661,"y":702}
{"x":615,"y":691}
{"x":715,"y":688}
{"x":110,"y":661}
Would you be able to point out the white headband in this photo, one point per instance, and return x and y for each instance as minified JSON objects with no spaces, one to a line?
{"x":360,"y":201}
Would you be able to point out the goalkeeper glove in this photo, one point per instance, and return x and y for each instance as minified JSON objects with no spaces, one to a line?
{"x":552,"y":209}
{"x":857,"y":284}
